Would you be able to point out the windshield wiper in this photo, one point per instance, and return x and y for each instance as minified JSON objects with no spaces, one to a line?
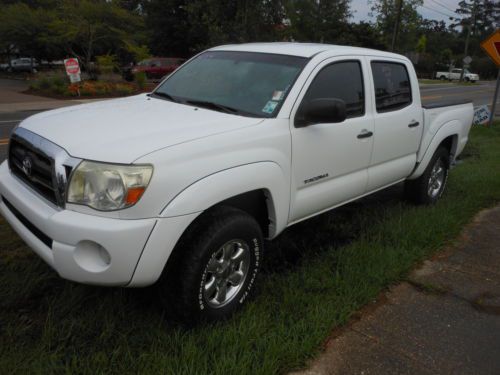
{"x":214,"y":106}
{"x":163,"y":95}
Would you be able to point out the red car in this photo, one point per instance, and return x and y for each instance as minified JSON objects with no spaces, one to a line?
{"x":154,"y":67}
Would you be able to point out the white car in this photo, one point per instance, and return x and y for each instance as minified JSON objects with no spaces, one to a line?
{"x":455,"y":74}
{"x":23,"y":64}
{"x":182,"y":185}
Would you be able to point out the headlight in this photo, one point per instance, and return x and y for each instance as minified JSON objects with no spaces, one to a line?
{"x":108,"y":187}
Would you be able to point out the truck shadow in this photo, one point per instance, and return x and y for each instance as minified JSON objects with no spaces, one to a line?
{"x":328,"y":231}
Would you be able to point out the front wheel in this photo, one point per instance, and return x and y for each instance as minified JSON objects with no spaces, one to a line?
{"x":429,"y":187}
{"x":214,"y":267}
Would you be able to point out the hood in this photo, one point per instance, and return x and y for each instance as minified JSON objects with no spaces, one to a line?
{"x":122,"y":130}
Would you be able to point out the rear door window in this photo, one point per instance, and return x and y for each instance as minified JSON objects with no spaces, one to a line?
{"x":392,"y":86}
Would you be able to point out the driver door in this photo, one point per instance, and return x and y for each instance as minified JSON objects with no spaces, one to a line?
{"x":330,"y":160}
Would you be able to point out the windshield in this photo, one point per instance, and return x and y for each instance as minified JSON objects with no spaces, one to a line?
{"x":245,"y":83}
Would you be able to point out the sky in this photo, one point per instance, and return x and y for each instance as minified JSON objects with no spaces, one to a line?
{"x":432,"y":9}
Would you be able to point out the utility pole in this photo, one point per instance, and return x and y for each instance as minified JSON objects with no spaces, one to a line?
{"x":469,"y":28}
{"x":465,"y":53}
{"x":396,"y":26}
{"x":495,"y":98}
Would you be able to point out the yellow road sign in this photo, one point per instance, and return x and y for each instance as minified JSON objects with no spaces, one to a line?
{"x":492,"y":47}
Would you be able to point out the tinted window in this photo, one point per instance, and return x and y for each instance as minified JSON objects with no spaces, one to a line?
{"x":392,"y":86}
{"x":246,"y":83}
{"x":343,"y":80}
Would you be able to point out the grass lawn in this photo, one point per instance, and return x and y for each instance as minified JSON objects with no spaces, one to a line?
{"x":318,"y":273}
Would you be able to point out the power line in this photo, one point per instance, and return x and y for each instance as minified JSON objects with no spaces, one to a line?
{"x":445,"y":2}
{"x":443,"y":6}
{"x":438,"y":11}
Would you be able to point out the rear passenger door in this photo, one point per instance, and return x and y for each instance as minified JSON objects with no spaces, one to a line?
{"x":398,"y":121}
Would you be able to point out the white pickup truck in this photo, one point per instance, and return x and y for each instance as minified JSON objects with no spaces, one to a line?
{"x":183,"y":184}
{"x":455,"y":74}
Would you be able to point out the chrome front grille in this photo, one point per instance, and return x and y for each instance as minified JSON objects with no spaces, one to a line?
{"x":40,"y":164}
{"x":33,"y":168}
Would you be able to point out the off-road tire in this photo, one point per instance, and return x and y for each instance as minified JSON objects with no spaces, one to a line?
{"x":181,"y":288}
{"x":417,"y":191}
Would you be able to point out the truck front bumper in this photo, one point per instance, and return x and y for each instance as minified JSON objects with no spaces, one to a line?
{"x":85,"y":248}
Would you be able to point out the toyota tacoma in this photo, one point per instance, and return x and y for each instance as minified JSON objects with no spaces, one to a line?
{"x":182,"y":185}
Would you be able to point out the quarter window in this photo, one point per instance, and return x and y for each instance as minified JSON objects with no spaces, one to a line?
{"x":392,"y":86}
{"x":342,"y":80}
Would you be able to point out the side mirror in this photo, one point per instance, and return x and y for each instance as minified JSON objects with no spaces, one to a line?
{"x":320,"y":111}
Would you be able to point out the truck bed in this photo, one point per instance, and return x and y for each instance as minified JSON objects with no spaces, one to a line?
{"x":443,"y":117}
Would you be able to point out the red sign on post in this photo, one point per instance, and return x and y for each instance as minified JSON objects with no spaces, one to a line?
{"x":72,"y":66}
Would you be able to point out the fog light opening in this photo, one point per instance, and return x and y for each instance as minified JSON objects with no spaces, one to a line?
{"x":92,"y":257}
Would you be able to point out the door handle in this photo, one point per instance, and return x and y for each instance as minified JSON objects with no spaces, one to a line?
{"x":365,"y":134}
{"x":413,"y":124}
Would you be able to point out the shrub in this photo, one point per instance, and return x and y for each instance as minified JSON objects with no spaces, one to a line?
{"x":124,"y":89}
{"x":58,"y":85}
{"x":140,"y":80}
{"x":50,"y":84}
{"x":58,"y":81}
{"x":87,"y":89}
{"x":45,"y":83}
{"x":107,"y":63}
{"x":72,"y":89}
{"x":139,"y":52}
{"x":35,"y":85}
{"x":59,"y":90}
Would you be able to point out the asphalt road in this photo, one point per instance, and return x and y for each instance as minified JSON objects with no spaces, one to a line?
{"x":480,"y":94}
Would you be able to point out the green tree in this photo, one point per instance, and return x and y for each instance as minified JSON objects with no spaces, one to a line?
{"x":323,"y":21}
{"x":85,"y":28}
{"x":235,"y":21}
{"x":362,"y":34}
{"x":482,"y":16}
{"x":26,"y":29}
{"x":168,"y":27}
{"x":478,"y":19}
{"x":385,"y":12}
{"x":421,"y":44}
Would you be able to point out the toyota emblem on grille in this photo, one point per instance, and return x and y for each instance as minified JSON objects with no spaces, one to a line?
{"x":27,"y":165}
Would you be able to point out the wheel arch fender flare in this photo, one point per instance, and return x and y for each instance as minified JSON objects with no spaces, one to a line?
{"x":450,"y":129}
{"x":217,"y":187}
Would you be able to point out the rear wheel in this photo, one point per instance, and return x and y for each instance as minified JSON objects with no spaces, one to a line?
{"x":214,"y":266}
{"x":429,"y":187}
{"x":442,"y":78}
